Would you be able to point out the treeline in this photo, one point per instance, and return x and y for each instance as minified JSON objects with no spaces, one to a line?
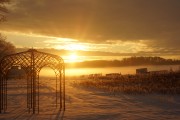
{"x":132,"y":61}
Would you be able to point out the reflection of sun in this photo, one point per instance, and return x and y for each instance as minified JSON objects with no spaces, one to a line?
{"x":72,"y":57}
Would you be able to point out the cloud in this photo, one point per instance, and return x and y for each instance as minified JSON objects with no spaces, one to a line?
{"x":98,"y":21}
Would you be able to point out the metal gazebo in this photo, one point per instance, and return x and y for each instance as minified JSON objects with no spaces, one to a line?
{"x":32,"y":61}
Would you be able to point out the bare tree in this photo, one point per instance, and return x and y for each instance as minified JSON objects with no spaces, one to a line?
{"x":5,"y":47}
{"x":3,"y":10}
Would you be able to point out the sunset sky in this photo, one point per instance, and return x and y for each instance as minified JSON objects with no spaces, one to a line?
{"x":149,"y":27}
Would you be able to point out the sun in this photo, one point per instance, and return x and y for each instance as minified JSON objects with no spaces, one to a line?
{"x":72,"y":57}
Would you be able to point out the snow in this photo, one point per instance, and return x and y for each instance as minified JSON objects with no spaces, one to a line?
{"x":88,"y":104}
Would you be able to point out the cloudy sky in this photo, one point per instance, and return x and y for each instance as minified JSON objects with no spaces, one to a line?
{"x":119,"y":26}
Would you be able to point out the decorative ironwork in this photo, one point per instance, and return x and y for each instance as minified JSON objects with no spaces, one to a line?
{"x":32,"y":61}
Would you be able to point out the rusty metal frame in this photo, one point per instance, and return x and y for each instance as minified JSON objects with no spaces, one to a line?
{"x":32,"y":61}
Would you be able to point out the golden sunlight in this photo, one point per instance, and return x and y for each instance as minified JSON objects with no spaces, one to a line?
{"x":73,"y":47}
{"x":72,"y":57}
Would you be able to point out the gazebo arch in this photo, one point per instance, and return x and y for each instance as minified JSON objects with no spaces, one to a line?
{"x":32,"y":61}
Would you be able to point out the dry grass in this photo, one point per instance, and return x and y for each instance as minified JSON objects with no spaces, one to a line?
{"x":137,"y":84}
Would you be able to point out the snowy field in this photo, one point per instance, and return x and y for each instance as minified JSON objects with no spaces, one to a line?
{"x":85,"y":104}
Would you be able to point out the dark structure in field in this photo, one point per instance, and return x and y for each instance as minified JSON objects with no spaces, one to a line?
{"x":32,"y":61}
{"x":141,"y":71}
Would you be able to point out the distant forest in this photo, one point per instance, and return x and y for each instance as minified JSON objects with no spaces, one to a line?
{"x":132,"y":61}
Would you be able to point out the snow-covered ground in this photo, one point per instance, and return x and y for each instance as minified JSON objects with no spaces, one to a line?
{"x":86,"y":104}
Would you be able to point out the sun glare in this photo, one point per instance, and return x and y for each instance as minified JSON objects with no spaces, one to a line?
{"x":72,"y":58}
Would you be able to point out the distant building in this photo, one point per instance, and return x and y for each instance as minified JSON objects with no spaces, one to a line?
{"x":142,"y":71}
{"x":113,"y":75}
{"x":159,"y":72}
{"x":16,"y":73}
{"x":95,"y":76}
